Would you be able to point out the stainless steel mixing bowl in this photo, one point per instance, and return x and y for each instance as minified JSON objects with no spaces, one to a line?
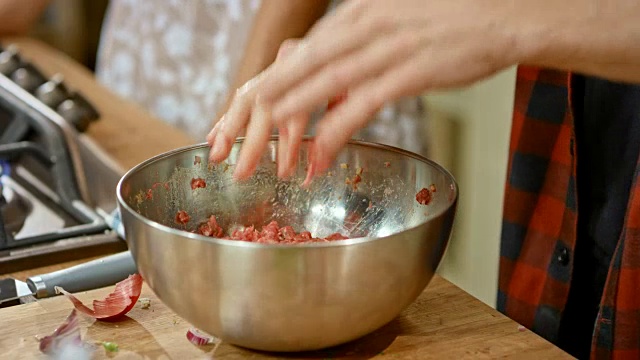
{"x":289,"y":297}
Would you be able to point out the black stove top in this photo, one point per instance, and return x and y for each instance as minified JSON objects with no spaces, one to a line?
{"x":52,"y":208}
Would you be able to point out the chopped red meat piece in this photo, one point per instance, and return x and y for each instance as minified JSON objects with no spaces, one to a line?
{"x":424,"y":196}
{"x":336,"y":236}
{"x":356,"y":179}
{"x":198,"y":183}
{"x":211,"y":228}
{"x":182,"y":217}
{"x":271,"y":233}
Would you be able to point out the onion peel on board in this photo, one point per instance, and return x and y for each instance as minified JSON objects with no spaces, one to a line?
{"x":68,"y":331}
{"x":198,"y":337}
{"x":115,"y":305}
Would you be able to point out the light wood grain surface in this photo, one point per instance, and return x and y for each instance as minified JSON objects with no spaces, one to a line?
{"x":444,"y":323}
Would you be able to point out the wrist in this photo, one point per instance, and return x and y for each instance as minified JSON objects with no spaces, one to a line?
{"x":558,"y":34}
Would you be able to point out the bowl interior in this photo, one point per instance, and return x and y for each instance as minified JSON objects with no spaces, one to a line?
{"x":369,"y":192}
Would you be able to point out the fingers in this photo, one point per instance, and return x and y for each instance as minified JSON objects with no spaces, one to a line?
{"x":337,"y":127}
{"x":212,"y":134}
{"x":258,"y":133}
{"x":312,"y":53}
{"x":234,"y":121}
{"x":346,"y":72}
{"x":281,"y":154}
{"x":239,"y":115}
{"x":296,"y":128}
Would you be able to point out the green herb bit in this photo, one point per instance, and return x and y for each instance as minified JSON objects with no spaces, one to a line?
{"x":110,"y":346}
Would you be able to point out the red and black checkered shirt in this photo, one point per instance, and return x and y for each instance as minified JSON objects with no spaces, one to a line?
{"x":540,"y":218}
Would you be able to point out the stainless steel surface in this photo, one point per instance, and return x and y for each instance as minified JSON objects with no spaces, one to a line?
{"x":53,"y":92}
{"x":54,"y":209}
{"x":289,"y":297}
{"x":9,"y":60}
{"x":14,"y":93}
{"x":11,"y":289}
{"x":28,"y":77}
{"x":102,"y":173}
{"x":39,"y":219}
{"x":77,"y":111}
{"x":14,"y":207}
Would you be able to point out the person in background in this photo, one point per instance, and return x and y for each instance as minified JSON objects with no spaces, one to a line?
{"x":183,"y":60}
{"x":570,"y":249}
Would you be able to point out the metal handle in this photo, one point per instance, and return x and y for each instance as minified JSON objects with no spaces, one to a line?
{"x":88,"y":276}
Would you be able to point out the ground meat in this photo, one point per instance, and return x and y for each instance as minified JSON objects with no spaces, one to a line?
{"x":424,"y":196}
{"x":198,"y":183}
{"x":149,"y":195}
{"x":211,"y":228}
{"x":269,"y":234}
{"x":182,"y":217}
{"x":336,"y":236}
{"x":356,"y":179}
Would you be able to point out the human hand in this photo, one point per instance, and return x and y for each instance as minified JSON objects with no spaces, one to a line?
{"x":378,"y":51}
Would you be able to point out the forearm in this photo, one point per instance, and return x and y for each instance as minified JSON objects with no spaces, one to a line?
{"x":593,"y":37}
{"x":276,"y":21}
{"x":17,"y":16}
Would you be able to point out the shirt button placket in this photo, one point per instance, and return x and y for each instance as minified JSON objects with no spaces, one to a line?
{"x":571,"y":145}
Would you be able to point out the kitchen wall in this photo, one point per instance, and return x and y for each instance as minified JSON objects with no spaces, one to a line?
{"x":470,"y":130}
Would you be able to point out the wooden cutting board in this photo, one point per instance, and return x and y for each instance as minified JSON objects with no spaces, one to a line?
{"x":443,"y":323}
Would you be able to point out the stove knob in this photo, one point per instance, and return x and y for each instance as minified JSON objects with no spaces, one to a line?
{"x":78,"y":112}
{"x":28,"y":77}
{"x":9,"y":60}
{"x":53,"y":92}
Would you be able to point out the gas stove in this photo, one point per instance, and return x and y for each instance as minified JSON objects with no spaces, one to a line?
{"x":57,"y":187}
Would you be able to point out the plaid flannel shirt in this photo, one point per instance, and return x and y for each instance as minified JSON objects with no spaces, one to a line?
{"x":540,"y":218}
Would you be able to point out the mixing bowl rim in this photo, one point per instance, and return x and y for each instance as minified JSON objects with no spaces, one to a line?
{"x":334,"y":243}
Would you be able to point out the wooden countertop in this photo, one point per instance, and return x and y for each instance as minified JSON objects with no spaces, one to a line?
{"x":444,"y":322}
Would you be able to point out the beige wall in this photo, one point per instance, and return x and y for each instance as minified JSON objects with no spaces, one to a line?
{"x":470,"y":128}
